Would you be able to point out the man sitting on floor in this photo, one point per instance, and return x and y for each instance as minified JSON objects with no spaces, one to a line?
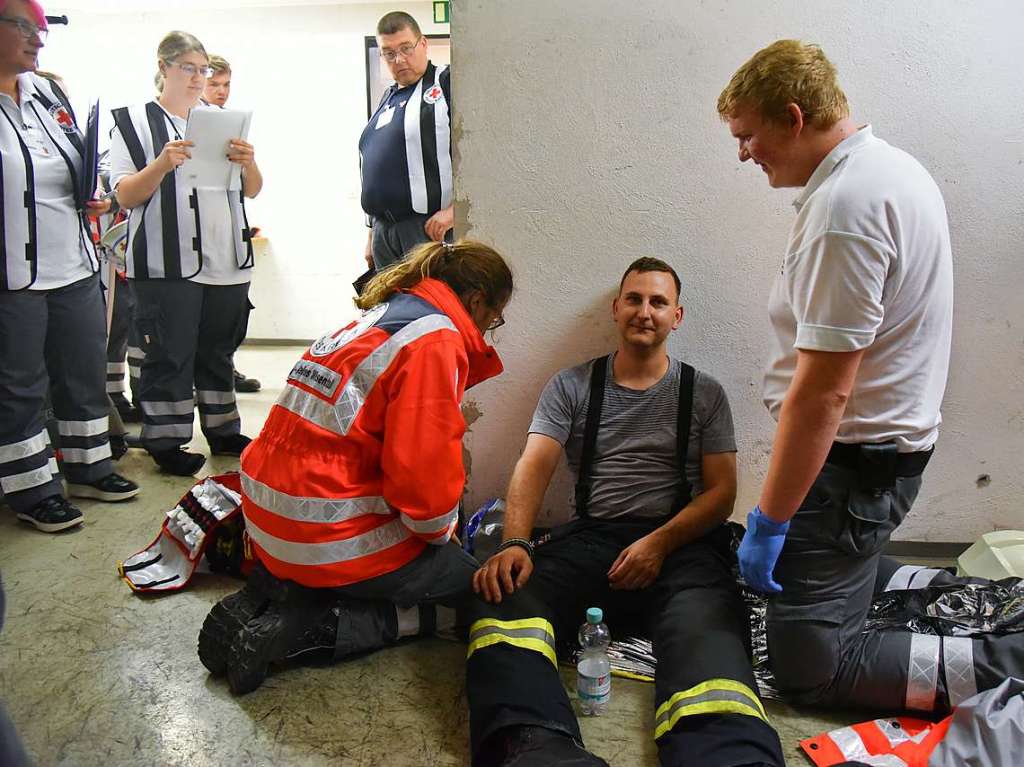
{"x":647,"y":543}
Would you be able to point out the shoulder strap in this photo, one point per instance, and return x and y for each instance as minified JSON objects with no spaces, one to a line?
{"x":157,"y":119}
{"x":598,"y":375}
{"x":31,"y":253}
{"x":123,"y":121}
{"x":683,"y":417}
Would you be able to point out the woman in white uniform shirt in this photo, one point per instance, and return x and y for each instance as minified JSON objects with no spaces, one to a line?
{"x":188,"y":261}
{"x":52,"y":330}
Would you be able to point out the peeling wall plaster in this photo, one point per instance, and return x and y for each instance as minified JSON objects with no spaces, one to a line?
{"x":584,"y":140}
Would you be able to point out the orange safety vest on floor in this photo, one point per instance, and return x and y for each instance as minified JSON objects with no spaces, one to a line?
{"x":896,"y":742}
{"x":359,"y":465}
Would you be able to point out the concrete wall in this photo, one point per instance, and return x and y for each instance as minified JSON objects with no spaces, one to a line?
{"x":301,"y":68}
{"x":585,"y":139}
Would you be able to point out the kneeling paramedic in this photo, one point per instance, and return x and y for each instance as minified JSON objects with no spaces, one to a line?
{"x":351,"y":492}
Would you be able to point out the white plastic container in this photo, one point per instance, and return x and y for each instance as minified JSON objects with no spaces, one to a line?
{"x":996,"y":555}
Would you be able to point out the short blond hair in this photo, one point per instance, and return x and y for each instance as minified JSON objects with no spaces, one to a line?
{"x":787,"y":72}
{"x":219,"y":64}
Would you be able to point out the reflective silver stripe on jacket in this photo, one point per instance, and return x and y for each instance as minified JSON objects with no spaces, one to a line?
{"x":331,"y":552}
{"x":320,"y":510}
{"x":958,"y":665}
{"x":428,"y":526}
{"x":340,"y":417}
{"x":27,"y":447}
{"x":922,"y":672}
{"x":90,"y":428}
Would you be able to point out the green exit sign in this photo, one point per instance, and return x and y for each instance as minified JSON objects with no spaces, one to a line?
{"x":441,"y":12}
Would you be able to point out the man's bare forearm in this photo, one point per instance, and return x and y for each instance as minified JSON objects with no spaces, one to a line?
{"x":699,"y":517}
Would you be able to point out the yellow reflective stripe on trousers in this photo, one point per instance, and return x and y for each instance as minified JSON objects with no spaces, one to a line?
{"x":534,"y":634}
{"x":715,"y":696}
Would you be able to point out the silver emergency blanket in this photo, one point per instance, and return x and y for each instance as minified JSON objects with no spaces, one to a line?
{"x":971,"y":609}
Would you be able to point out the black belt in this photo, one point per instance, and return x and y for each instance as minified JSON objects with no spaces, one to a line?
{"x":854,"y":456}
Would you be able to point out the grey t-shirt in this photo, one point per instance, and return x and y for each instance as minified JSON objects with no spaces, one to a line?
{"x":636,"y":469}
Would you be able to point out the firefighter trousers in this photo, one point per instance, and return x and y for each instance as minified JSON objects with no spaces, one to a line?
{"x":52,"y":340}
{"x":830,"y":569}
{"x":708,"y":710}
{"x":188,"y":333}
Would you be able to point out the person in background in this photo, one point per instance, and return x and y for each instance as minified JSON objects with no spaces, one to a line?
{"x":188,"y":262}
{"x":405,"y":149}
{"x":218,"y":88}
{"x":52,"y":321}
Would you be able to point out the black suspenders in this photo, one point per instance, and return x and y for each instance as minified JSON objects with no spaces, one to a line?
{"x":598,"y":376}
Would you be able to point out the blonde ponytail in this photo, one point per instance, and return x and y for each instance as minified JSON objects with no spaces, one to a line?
{"x":465,"y":266}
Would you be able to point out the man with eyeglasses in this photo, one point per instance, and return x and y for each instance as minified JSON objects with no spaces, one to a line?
{"x":405,"y":149}
{"x":650,"y":442}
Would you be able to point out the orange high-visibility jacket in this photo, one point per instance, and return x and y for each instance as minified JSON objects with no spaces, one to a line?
{"x":359,"y":465}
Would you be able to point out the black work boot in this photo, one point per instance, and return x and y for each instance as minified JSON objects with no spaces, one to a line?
{"x":228,"y":617}
{"x":233,"y":444}
{"x":177,"y":461}
{"x":244,"y":384}
{"x":533,"y":746}
{"x":268,"y":636}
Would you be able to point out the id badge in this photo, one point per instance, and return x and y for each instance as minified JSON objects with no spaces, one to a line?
{"x":385,"y":117}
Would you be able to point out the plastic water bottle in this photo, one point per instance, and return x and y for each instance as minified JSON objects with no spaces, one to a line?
{"x":593,"y":671}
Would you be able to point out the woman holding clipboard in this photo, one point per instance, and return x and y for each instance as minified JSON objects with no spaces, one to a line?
{"x":188,"y":260}
{"x":52,"y":333}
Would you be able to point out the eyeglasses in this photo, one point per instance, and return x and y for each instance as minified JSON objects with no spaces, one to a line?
{"x":497,"y":322}
{"x":405,"y":51}
{"x":27,"y":29}
{"x":192,"y":70}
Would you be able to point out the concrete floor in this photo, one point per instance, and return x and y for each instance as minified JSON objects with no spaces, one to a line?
{"x":94,"y":675}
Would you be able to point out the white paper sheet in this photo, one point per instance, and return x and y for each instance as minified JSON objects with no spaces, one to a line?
{"x":211,"y":129}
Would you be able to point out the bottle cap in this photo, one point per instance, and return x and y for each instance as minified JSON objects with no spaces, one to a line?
{"x":594,"y":615}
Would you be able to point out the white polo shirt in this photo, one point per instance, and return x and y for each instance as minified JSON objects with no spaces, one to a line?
{"x":62,"y":250}
{"x":869,"y":266}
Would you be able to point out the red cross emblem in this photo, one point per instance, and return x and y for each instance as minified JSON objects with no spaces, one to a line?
{"x":433,"y":94}
{"x":63,"y":118}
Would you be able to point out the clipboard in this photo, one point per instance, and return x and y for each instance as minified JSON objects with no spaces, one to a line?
{"x":211,"y":128}
{"x":87,"y":181}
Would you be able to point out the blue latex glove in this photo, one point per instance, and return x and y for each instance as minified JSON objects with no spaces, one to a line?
{"x":760,"y":550}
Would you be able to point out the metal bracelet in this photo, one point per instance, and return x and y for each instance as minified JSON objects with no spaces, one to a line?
{"x":521,"y":542}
